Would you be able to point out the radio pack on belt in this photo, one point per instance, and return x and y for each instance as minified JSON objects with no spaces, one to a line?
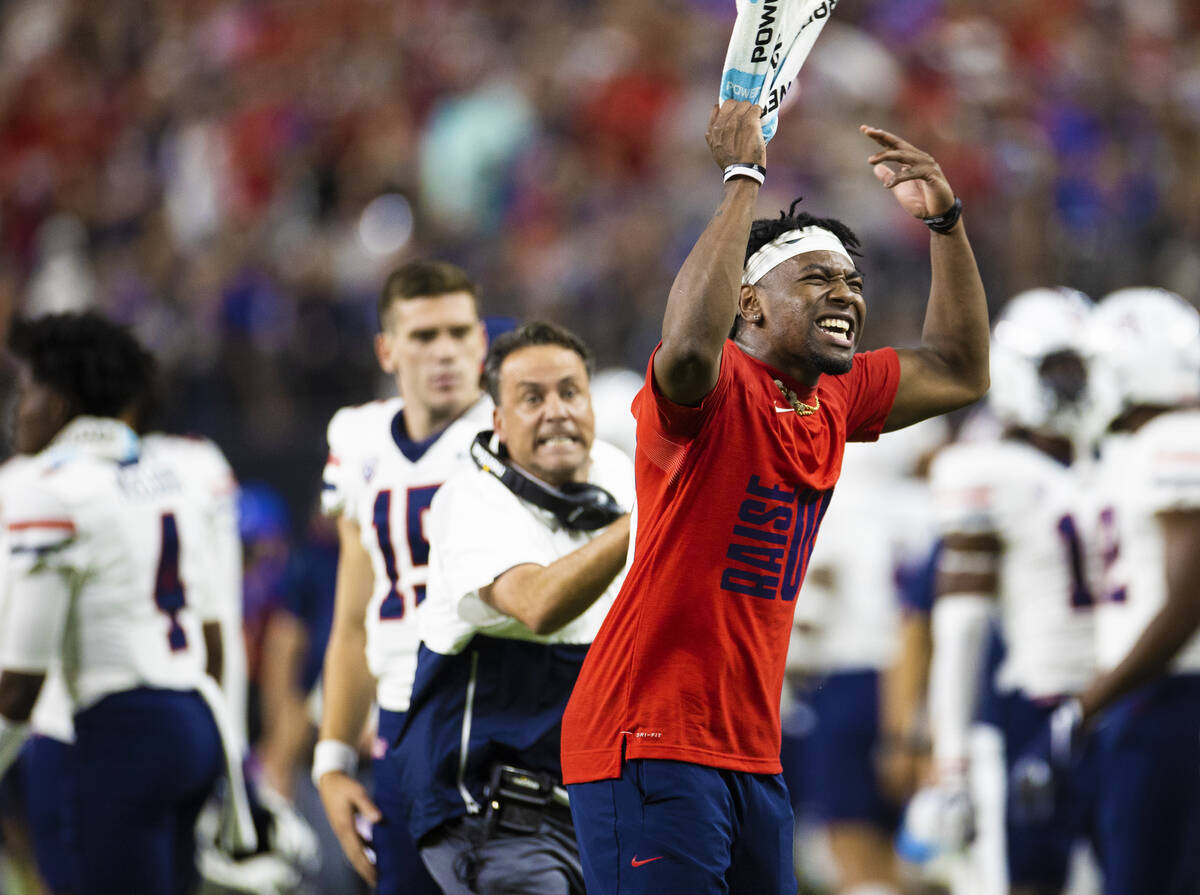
{"x":520,"y":801}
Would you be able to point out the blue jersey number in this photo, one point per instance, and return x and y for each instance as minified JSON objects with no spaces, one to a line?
{"x":168,"y":589}
{"x":1110,"y":544}
{"x":1081,"y":594}
{"x":392,"y":606}
{"x":416,"y":503}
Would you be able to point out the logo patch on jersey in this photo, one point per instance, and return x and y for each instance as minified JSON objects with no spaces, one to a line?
{"x":369,"y":470}
{"x":772,"y":539}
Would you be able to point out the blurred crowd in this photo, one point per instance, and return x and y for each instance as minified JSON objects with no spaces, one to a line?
{"x":234,"y":178}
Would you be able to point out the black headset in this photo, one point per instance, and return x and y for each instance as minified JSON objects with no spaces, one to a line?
{"x":579,"y":506}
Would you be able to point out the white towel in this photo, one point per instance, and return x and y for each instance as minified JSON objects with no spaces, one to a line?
{"x":770,"y":41}
{"x":237,"y":832}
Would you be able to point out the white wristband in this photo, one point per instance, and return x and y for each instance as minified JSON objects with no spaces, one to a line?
{"x":745,"y":169}
{"x":12,"y":737}
{"x":333,"y":755}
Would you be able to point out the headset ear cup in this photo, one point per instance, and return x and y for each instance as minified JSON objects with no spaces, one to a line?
{"x":597,"y":508}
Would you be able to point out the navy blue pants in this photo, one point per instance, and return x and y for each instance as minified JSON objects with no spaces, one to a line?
{"x":146,"y":762}
{"x":397,"y":861}
{"x":1039,"y":854}
{"x":828,"y":755}
{"x":1147,"y":813}
{"x":47,"y":769}
{"x":673,"y":828}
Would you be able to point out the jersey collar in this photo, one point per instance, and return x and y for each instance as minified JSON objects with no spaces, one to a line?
{"x":98,"y":436}
{"x":415,"y":450}
{"x":802,"y":391}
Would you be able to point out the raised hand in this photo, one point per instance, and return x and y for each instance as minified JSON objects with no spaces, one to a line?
{"x":735,"y":134}
{"x":919,"y":185}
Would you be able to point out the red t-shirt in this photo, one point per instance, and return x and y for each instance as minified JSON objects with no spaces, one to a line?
{"x":689,"y":662}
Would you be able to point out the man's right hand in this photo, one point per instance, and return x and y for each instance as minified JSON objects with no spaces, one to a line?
{"x":345,"y":798}
{"x":735,"y":134}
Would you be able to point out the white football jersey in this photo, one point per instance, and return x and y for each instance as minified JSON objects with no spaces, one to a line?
{"x":208,"y":478}
{"x":52,"y":714}
{"x":1034,"y":505}
{"x":479,"y":529}
{"x":1153,"y":470}
{"x":9,"y":470}
{"x":105,"y":567}
{"x":385,"y":483}
{"x":847,"y":612}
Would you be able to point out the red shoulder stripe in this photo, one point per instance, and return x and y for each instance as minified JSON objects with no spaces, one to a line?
{"x":63,"y":524}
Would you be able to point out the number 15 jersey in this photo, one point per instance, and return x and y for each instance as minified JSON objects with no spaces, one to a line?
{"x":385,"y":482}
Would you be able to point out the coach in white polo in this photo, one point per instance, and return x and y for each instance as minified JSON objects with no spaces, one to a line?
{"x":528,"y":551}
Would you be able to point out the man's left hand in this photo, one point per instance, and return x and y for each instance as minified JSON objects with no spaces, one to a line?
{"x":919,"y":185}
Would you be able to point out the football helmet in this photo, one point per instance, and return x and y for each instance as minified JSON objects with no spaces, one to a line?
{"x":613,"y":391}
{"x":1038,"y":369}
{"x":1144,"y":347}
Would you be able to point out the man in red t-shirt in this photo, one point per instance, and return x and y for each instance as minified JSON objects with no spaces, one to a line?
{"x":671,"y":738}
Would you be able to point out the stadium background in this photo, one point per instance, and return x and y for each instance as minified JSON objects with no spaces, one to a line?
{"x":235,"y":178}
{"x":211,"y":171}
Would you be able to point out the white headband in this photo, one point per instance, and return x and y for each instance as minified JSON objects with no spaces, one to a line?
{"x":789,"y":245}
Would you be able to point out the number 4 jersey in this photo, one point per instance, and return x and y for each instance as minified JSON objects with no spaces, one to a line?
{"x":105,"y":567}
{"x":384,"y":481}
{"x":1032,"y":504}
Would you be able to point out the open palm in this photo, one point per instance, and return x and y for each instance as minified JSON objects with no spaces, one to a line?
{"x":919,"y":184}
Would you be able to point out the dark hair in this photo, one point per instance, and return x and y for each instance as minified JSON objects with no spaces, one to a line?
{"x":764,"y":230}
{"x":536,"y":332}
{"x":421,"y":278}
{"x":97,"y":365}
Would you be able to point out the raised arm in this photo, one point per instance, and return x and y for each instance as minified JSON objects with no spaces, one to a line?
{"x":950,"y":369}
{"x":703,"y":298}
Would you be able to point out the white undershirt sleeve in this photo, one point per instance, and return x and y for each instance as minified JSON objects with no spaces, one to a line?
{"x":960,"y":624}
{"x":40,"y":577}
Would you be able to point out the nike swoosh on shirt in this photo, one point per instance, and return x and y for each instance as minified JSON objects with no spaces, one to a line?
{"x":636,"y":863}
{"x":783,"y":409}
